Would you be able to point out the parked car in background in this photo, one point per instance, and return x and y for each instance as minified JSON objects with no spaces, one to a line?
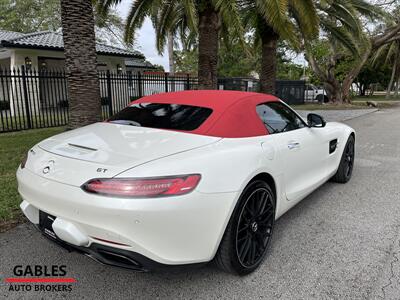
{"x":313,"y":93}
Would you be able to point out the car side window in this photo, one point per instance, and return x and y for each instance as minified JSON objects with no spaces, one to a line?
{"x":278,"y":118}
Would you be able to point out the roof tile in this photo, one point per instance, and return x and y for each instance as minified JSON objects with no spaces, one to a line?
{"x":54,"y":40}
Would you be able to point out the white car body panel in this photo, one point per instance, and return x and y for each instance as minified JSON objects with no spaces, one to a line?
{"x":110,"y":147}
{"x":178,"y":229}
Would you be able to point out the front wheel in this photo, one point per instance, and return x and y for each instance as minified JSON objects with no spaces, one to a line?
{"x":345,"y":169}
{"x":249,"y":231}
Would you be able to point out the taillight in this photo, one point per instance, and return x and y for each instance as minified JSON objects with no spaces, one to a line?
{"x":143,"y":187}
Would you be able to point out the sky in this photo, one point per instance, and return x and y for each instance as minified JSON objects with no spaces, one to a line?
{"x":145,"y":38}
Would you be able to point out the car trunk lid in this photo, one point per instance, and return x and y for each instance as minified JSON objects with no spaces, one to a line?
{"x":106,"y":149}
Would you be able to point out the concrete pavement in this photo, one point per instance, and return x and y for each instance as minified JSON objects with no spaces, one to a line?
{"x":339,"y":115}
{"x":341,"y":242}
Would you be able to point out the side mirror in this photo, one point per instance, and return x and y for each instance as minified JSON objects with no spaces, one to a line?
{"x":315,"y":120}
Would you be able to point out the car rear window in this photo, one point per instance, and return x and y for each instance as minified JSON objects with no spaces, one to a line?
{"x":162,"y":116}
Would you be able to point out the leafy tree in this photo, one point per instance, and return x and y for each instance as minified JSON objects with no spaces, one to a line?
{"x":372,"y":74}
{"x":186,"y":61}
{"x":110,"y":28}
{"x":30,"y":15}
{"x":237,"y":60}
{"x":234,"y":60}
{"x":345,"y":39}
{"x":390,"y":54}
{"x":286,"y":68}
{"x":159,"y":68}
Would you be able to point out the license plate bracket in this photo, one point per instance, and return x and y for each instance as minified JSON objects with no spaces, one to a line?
{"x":45,"y":224}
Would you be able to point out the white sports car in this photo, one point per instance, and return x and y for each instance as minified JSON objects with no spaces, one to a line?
{"x":181,"y":178}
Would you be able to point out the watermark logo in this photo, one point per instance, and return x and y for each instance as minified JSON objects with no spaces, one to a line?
{"x":40,"y":278}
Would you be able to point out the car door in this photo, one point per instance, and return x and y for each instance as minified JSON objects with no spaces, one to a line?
{"x":300,"y":149}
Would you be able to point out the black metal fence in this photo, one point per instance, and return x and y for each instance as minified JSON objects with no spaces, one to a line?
{"x":290,"y":91}
{"x":245,"y":84}
{"x":39,"y":99}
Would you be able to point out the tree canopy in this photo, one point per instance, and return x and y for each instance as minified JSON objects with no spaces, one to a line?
{"x":30,"y":15}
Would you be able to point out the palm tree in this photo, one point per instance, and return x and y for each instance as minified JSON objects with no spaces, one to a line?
{"x":80,"y":62}
{"x":341,"y":24}
{"x":204,"y":17}
{"x":273,"y":20}
{"x":389,"y":54}
{"x":172,"y":25}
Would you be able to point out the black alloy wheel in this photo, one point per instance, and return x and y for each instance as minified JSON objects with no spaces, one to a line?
{"x":254,"y":228}
{"x":346,"y":165}
{"x":349,"y":159}
{"x":249,"y":231}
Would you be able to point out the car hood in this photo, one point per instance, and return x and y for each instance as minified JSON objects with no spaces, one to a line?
{"x":106,"y":149}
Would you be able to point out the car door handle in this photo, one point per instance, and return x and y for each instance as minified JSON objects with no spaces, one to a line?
{"x":293,"y":145}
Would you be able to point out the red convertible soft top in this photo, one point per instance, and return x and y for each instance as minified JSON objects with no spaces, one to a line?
{"x":234,"y":113}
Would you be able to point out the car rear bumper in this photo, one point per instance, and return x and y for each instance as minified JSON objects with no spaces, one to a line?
{"x":116,"y":257}
{"x":171,"y":231}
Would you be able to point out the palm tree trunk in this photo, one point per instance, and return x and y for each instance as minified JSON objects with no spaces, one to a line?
{"x":269,"y":40}
{"x":391,"y":82}
{"x":208,"y":48}
{"x":171,"y":53}
{"x":80,"y":62}
{"x":171,"y":58}
{"x":396,"y":93}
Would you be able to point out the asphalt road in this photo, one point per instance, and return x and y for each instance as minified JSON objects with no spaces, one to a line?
{"x":341,"y":242}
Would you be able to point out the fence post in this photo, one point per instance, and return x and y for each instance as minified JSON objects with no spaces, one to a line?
{"x":139,"y":77}
{"x":26,"y":100}
{"x":166,"y":81}
{"x":109,"y":93}
{"x":188,"y":81}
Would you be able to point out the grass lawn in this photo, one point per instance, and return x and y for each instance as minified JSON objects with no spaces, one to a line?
{"x":13,"y":147}
{"x":356,"y":104}
{"x":375,"y":98}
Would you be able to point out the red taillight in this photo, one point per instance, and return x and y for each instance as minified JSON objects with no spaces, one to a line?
{"x":143,"y":187}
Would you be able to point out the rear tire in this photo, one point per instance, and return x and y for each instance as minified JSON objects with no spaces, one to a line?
{"x":249,"y":231}
{"x":322,"y":98}
{"x":345,"y":169}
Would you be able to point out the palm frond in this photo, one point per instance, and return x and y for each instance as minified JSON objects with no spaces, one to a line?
{"x":140,"y":9}
{"x":369,"y":10}
{"x":306,"y":16}
{"x":342,"y":11}
{"x":342,"y":36}
{"x":276,"y":15}
{"x":232,"y":26}
{"x":381,"y":52}
{"x":190,"y":11}
{"x":103,"y":6}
